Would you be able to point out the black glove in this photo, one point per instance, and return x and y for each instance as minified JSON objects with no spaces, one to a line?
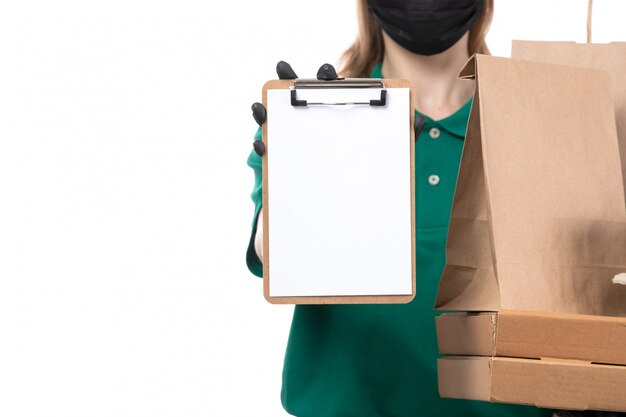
{"x":327,"y":73}
{"x":418,"y":125}
{"x":285,"y":72}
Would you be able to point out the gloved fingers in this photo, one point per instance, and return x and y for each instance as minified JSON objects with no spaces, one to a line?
{"x":327,"y":72}
{"x":259,"y":113}
{"x":285,"y":72}
{"x":259,"y":147}
{"x":418,"y":125}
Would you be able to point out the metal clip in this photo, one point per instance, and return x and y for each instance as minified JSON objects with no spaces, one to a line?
{"x":339,"y":83}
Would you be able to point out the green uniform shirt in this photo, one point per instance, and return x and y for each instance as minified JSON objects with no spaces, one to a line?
{"x":381,"y":360}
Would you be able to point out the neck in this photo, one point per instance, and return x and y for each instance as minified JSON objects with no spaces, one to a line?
{"x":438,"y":91}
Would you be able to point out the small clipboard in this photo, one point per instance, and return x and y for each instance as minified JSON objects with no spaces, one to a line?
{"x":338,"y":192}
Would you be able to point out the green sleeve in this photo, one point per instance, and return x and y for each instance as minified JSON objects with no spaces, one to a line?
{"x":254,"y":161}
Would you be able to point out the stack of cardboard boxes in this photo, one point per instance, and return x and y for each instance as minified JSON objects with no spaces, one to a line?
{"x":564,"y":361}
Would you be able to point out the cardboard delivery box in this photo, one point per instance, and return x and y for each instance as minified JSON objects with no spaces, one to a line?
{"x":527,"y":334}
{"x":543,"y":383}
{"x":544,"y":359}
{"x":537,"y":231}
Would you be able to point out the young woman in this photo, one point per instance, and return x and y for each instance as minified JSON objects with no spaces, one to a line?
{"x":380,"y":360}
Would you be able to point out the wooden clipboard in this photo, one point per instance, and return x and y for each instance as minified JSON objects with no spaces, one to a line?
{"x":388,"y":87}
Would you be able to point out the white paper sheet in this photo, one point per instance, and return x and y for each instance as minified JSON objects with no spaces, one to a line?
{"x":339,"y":194}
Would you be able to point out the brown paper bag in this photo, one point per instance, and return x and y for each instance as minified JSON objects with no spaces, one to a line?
{"x":538,"y":220}
{"x":610,"y":57}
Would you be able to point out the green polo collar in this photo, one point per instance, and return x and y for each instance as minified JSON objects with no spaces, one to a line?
{"x":455,"y":124}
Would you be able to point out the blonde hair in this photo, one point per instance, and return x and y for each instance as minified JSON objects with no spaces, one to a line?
{"x":368,"y":48}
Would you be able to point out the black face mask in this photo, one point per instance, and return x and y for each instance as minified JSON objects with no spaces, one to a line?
{"x":425,"y":27}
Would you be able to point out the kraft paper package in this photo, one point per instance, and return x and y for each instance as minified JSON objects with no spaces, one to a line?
{"x":610,"y":57}
{"x":538,"y":221}
{"x":537,"y":235}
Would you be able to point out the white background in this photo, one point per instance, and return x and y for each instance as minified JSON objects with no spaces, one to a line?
{"x":124,"y":195}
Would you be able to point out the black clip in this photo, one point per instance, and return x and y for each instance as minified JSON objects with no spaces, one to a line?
{"x":295,"y":102}
{"x":383,"y":100}
{"x":374,"y":103}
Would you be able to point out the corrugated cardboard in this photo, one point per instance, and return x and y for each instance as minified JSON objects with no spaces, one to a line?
{"x":543,"y":383}
{"x":525,"y":334}
{"x":610,"y":57}
{"x":538,"y":221}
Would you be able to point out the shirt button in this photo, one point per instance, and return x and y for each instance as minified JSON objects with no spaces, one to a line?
{"x":434,"y":133}
{"x":433,"y":179}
